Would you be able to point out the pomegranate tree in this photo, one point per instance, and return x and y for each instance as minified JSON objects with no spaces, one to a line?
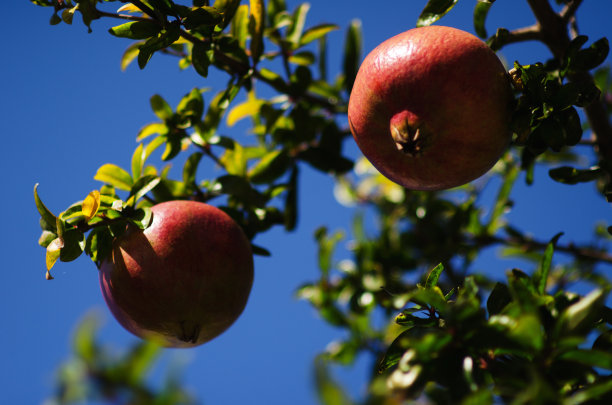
{"x":430,"y":108}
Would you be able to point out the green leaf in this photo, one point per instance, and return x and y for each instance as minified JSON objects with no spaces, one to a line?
{"x":160,"y":107}
{"x":480,"y":15}
{"x":240,"y":188}
{"x":115,"y":176}
{"x":190,"y":168}
{"x":590,"y":394}
{"x":434,"y":276}
{"x":140,"y":359}
{"x":138,"y":159}
{"x":328,"y":391}
{"x":571,"y":175}
{"x":302,"y":58}
{"x":228,"y":9}
{"x":271,"y":166}
{"x":256,"y":28}
{"x":294,"y":32}
{"x":316,"y":32}
{"x":201,"y":55}
{"x":99,"y":243}
{"x":74,"y":244}
{"x":46,"y":237}
{"x":327,"y":245}
{"x":434,"y":10}
{"x":130,"y":54}
{"x":142,"y":187}
{"x":240,"y":25}
{"x":578,"y":317}
{"x":192,"y":105}
{"x":44,"y":212}
{"x":593,"y":358}
{"x":352,"y":54}
{"x":68,"y":14}
{"x":541,"y":275}
{"x":500,"y":297}
{"x":206,"y":16}
{"x":163,"y":40}
{"x":136,"y":30}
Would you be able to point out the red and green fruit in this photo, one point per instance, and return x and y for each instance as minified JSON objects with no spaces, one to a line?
{"x":182,"y":281}
{"x":430,"y":108}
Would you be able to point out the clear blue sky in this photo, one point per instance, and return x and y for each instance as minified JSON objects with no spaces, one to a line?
{"x":67,"y":109}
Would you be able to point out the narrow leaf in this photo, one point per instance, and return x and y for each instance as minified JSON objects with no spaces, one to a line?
{"x":138,"y":159}
{"x":541,"y":276}
{"x":44,"y":212}
{"x":243,"y":110}
{"x":294,"y":33}
{"x":352,"y":54}
{"x":130,"y":54}
{"x":316,"y":32}
{"x":434,"y":276}
{"x":256,"y":28}
{"x":480,"y":15}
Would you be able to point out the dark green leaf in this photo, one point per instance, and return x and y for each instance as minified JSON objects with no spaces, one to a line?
{"x":540,"y":277}
{"x":434,"y":276}
{"x":593,"y":358}
{"x":136,"y":30}
{"x":201,"y":58}
{"x":228,"y":9}
{"x":499,"y":298}
{"x":46,"y":215}
{"x":480,"y":15}
{"x":352,"y":54}
{"x":192,"y":105}
{"x":271,"y":166}
{"x":571,"y":175}
{"x":591,"y":393}
{"x":240,"y":188}
{"x":163,"y":40}
{"x":591,"y":57}
{"x":74,"y":243}
{"x":99,"y":244}
{"x":256,"y":28}
{"x":260,"y":251}
{"x":202,"y":16}
{"x":434,"y":10}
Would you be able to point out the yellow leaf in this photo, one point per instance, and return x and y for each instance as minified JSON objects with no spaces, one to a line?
{"x":243,"y":110}
{"x":130,"y":8}
{"x":91,"y":204}
{"x":53,"y":253}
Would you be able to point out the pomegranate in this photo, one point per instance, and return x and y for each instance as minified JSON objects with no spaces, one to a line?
{"x":184,"y":280}
{"x":430,"y":108}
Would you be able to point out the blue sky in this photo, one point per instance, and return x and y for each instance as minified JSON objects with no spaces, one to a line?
{"x":67,"y":109}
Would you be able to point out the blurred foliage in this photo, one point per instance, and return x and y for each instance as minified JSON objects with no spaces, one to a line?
{"x":97,"y":372}
{"x":407,"y":296}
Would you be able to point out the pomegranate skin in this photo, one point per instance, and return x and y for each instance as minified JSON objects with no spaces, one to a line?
{"x":448,"y":85}
{"x":182,"y":281}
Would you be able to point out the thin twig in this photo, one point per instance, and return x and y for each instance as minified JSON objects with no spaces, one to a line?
{"x":569,"y":11}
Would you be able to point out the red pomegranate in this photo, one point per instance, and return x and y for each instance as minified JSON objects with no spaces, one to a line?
{"x":184,"y":280}
{"x":430,"y":108}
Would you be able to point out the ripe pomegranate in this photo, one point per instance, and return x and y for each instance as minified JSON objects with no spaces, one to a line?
{"x":431,"y":107}
{"x":183,"y":280}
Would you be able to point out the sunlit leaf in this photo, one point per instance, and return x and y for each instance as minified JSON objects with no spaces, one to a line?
{"x":316,"y":32}
{"x":115,"y":176}
{"x":136,"y":30}
{"x":91,"y":204}
{"x":434,"y":10}
{"x":44,"y":212}
{"x":243,"y":110}
{"x":256,"y":28}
